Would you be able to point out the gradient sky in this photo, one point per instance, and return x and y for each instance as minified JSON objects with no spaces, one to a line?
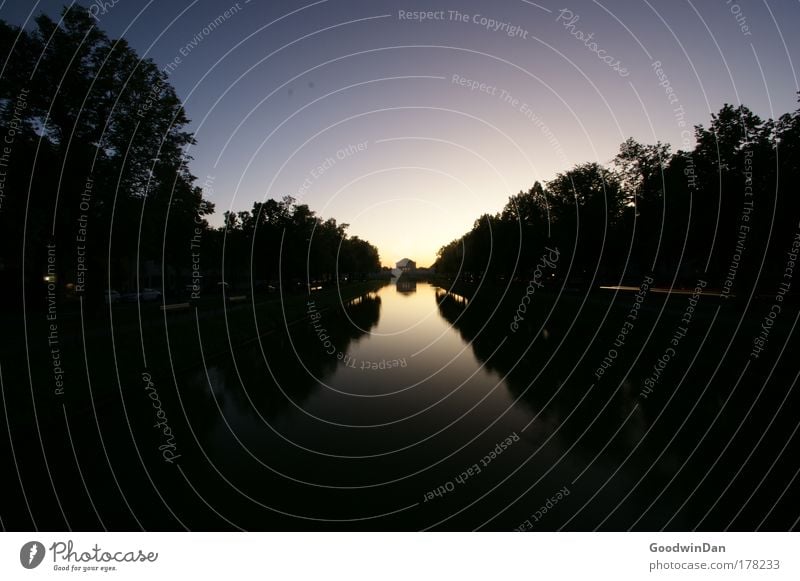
{"x":278,"y":88}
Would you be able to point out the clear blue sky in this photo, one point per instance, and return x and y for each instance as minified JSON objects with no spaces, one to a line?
{"x":367,"y":114}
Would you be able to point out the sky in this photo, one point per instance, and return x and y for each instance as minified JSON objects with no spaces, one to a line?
{"x":408,"y":128}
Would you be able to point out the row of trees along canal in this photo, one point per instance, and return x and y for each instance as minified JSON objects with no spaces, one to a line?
{"x":727,"y":205}
{"x":95,"y":178}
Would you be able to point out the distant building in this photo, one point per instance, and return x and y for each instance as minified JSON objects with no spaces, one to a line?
{"x":406,"y":265}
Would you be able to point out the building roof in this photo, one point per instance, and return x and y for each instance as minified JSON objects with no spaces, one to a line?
{"x":404,"y":262}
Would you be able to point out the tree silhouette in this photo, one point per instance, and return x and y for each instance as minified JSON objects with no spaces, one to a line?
{"x":724,"y":206}
{"x":100,"y":169}
{"x":286,"y":241}
{"x":104,"y":140}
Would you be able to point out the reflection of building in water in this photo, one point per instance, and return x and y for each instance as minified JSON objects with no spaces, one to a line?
{"x":406,"y":286}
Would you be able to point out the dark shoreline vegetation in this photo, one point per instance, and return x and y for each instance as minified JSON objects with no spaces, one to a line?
{"x":724,"y":211}
{"x":173,"y":341}
{"x":129,"y":214}
{"x":97,"y":194}
{"x":545,"y":366}
{"x":97,"y":191}
{"x":659,"y":405}
{"x":123,"y":211}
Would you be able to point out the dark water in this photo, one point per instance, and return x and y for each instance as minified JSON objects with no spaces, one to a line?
{"x":383,"y":405}
{"x":415,"y":408}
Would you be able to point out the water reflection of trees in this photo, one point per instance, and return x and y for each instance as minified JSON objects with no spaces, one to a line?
{"x":609,"y":415}
{"x":468,"y":317}
{"x":285,"y":367}
{"x":363,"y":313}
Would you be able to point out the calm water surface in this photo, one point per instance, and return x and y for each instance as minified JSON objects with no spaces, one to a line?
{"x":413,"y":408}
{"x":378,"y":406}
{"x":384,"y":417}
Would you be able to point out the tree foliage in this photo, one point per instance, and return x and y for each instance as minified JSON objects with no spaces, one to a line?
{"x":727,"y":203}
{"x":283,"y":240}
{"x":98,"y":170}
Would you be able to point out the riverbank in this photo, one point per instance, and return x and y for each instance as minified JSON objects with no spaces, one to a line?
{"x":69,"y":354}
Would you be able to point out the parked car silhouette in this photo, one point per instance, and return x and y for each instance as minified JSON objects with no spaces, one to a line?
{"x":112,"y":296}
{"x":150,"y":294}
{"x":146,"y":294}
